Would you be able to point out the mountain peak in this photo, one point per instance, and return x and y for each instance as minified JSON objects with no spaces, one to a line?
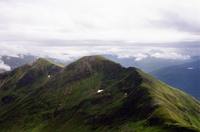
{"x":93,"y":58}
{"x":94,"y":63}
{"x":41,"y":62}
{"x":93,"y":94}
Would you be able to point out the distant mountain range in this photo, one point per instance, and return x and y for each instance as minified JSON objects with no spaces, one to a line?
{"x":20,"y":60}
{"x":185,"y":76}
{"x":92,"y":94}
{"x":17,"y":61}
{"x":149,"y":64}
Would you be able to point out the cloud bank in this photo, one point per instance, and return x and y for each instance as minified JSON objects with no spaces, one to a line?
{"x":69,"y":29}
{"x":70,"y":52}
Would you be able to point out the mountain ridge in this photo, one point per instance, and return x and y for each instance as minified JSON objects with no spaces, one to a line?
{"x":96,"y":94}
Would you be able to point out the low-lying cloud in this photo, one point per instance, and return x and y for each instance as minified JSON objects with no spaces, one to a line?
{"x":68,"y":29}
{"x":4,"y":66}
{"x":119,"y":49}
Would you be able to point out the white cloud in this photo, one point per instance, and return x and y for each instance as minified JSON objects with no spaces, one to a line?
{"x":170,"y":55}
{"x":153,"y":52}
{"x":4,"y":66}
{"x":69,"y":29}
{"x":122,"y":50}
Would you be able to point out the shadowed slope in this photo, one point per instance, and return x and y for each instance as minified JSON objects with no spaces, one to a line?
{"x":18,"y":84}
{"x":96,"y":94}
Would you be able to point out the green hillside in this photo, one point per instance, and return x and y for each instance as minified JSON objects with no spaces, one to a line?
{"x":184,"y":76}
{"x":92,"y":94}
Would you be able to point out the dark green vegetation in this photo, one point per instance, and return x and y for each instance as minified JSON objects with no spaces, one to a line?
{"x":185,"y":76}
{"x":44,"y":97}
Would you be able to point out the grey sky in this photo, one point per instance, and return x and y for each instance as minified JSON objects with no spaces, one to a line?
{"x":67,"y":28}
{"x":133,"y":20}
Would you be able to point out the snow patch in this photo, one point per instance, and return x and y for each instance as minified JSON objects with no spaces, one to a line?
{"x":100,"y":91}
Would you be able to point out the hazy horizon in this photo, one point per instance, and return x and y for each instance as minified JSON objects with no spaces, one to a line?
{"x":66,"y":29}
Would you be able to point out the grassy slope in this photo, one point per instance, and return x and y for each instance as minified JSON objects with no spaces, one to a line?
{"x":131,"y":101}
{"x":181,"y":77}
{"x":16,"y":86}
{"x":174,"y":107}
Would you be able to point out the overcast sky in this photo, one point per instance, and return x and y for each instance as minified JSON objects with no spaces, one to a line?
{"x":131,"y":20}
{"x":81,"y":27}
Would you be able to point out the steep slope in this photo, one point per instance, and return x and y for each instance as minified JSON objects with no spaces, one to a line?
{"x":96,"y":94}
{"x":184,"y":76}
{"x":19,"y":83}
{"x":27,"y":75}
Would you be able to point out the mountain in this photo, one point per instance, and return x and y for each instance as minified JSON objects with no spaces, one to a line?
{"x":19,"y":82}
{"x":92,"y":94}
{"x":17,"y":61}
{"x":23,"y":59}
{"x":149,"y":64}
{"x":184,"y":76}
